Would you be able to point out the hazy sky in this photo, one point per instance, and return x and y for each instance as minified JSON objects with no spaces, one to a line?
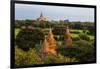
{"x":26,"y":11}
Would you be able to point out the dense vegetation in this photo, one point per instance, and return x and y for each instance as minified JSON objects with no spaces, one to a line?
{"x":28,"y":38}
{"x":29,"y":33}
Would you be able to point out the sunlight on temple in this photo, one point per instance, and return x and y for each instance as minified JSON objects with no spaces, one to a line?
{"x":49,"y":44}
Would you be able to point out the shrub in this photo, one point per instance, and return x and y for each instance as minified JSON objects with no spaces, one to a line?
{"x":28,"y":38}
{"x":87,"y":51}
{"x":75,"y":38}
{"x":75,"y":32}
{"x":69,"y":52}
{"x":59,"y":30}
{"x":82,"y":50}
{"x":84,"y":37}
{"x":26,"y":58}
{"x":51,"y":59}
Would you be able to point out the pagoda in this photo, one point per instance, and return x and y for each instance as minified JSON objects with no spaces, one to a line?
{"x":67,"y":38}
{"x":45,"y":47}
{"x":41,"y":18}
{"x":49,"y":44}
{"x":52,"y":42}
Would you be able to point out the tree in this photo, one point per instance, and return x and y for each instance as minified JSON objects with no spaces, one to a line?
{"x":59,"y":30}
{"x":26,"y":58}
{"x":87,"y":51}
{"x":28,"y":38}
{"x":82,"y":50}
{"x":84,"y":36}
{"x":91,"y":30}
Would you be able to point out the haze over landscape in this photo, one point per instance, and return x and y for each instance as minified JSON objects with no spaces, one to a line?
{"x":25,"y":11}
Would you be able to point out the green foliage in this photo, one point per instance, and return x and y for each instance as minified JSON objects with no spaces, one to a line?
{"x":59,"y":30}
{"x":84,"y":37}
{"x":50,"y":59}
{"x":42,"y":24}
{"x":26,"y":58}
{"x":19,"y":23}
{"x":91,"y":30}
{"x":75,"y":32}
{"x":69,"y":52}
{"x":71,"y":60}
{"x":73,"y":25}
{"x":82,"y":50}
{"x":87,"y":51}
{"x":81,"y":25}
{"x":75,"y":38}
{"x":27,"y":38}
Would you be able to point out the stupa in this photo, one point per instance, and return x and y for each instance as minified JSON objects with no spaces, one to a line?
{"x":52,"y":42}
{"x":67,"y":38}
{"x":49,"y":44}
{"x":45,"y":46}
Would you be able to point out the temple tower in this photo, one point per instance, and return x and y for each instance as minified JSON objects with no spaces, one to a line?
{"x":45,"y":46}
{"x":67,"y":38}
{"x":49,"y":44}
{"x":52,"y":42}
{"x":41,"y":18}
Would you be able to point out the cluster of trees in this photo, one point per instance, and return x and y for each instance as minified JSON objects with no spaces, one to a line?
{"x":28,"y":43}
{"x":82,"y":50}
{"x":31,"y":57}
{"x":90,"y":26}
{"x":28,"y":38}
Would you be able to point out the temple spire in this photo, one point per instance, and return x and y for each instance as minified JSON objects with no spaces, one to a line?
{"x":41,"y":14}
{"x":67,"y":38}
{"x":45,"y":46}
{"x":67,"y":30}
{"x":49,"y":44}
{"x":41,"y":17}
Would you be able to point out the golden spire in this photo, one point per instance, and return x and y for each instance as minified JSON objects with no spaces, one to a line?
{"x":45,"y":46}
{"x":49,"y":44}
{"x":50,"y":38}
{"x":52,"y":42}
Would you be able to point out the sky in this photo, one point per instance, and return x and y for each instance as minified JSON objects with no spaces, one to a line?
{"x":26,"y":11}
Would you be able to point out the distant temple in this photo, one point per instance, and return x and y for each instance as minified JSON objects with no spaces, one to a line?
{"x":67,"y":38}
{"x":41,"y":18}
{"x":49,"y":44}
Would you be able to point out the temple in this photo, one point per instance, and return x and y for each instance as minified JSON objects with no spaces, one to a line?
{"x":67,"y":38}
{"x":49,"y":44}
{"x":41,"y":18}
